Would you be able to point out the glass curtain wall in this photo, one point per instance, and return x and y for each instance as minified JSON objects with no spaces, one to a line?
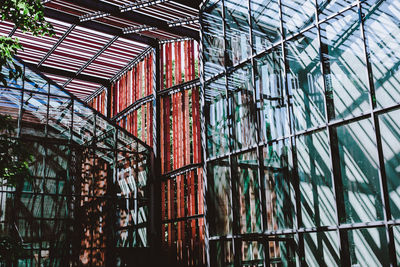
{"x":301,"y":111}
{"x":89,"y":197}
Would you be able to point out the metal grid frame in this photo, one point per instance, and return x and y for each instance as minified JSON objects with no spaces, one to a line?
{"x":114,"y":31}
{"x":75,"y":178}
{"x":330,"y":126}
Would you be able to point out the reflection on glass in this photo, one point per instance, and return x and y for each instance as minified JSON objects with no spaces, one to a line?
{"x":270,"y":95}
{"x":297,"y":15}
{"x":71,"y":179}
{"x":344,"y":66}
{"x":237,"y":30}
{"x":60,"y":117}
{"x":279,"y":190}
{"x":390,"y":137}
{"x":10,"y":102}
{"x":282,"y":252}
{"x":252,"y":253}
{"x":216,"y":117}
{"x":221,"y":253}
{"x":316,"y":186}
{"x":83,"y":123}
{"x":213,"y":41}
{"x":304,"y":80}
{"x":242,"y":107}
{"x":396,"y":233}
{"x":382,"y":28}
{"x":34,"y":82}
{"x":248,"y":195}
{"x":219,"y":198}
{"x":34,"y":114}
{"x":359,"y":170}
{"x":322,"y":249}
{"x":265,"y":23}
{"x":368,"y":247}
{"x":330,"y":7}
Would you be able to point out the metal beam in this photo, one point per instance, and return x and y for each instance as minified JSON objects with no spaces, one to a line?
{"x":124,"y":69}
{"x":92,"y":59}
{"x":140,"y":5}
{"x":172,"y":23}
{"x":192,"y":3}
{"x":131,"y":63}
{"x":93,"y":16}
{"x":62,"y":38}
{"x":136,"y":17}
{"x":97,"y":26}
{"x":184,"y":21}
{"x":12,"y":31}
{"x":95,"y":94}
{"x":70,"y":74}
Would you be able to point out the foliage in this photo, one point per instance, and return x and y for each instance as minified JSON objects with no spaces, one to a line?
{"x":14,"y":170}
{"x":28,"y":16}
{"x":10,"y":249}
{"x":14,"y":156}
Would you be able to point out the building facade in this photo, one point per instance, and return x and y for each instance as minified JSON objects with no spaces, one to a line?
{"x":87,"y":202}
{"x":302,"y":148}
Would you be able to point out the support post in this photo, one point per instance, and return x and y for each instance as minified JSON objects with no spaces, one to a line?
{"x":155,"y":181}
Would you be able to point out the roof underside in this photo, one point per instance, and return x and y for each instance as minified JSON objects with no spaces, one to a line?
{"x":94,"y":39}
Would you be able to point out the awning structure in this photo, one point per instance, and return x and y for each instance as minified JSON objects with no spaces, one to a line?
{"x":96,"y":39}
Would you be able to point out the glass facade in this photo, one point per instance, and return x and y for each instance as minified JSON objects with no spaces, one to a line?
{"x":89,"y":199}
{"x":301,"y":111}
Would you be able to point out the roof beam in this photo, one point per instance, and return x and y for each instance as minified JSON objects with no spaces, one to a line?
{"x":97,"y":26}
{"x":91,"y":60}
{"x":12,"y":31}
{"x":192,"y":3}
{"x":136,"y":17}
{"x":70,"y":74}
{"x":138,"y":58}
{"x":56,"y":45}
{"x":139,"y":5}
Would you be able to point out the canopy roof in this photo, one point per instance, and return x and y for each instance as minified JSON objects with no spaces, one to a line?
{"x":94,"y":40}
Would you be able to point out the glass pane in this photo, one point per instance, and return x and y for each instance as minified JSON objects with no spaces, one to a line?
{"x":252,"y":254}
{"x":368,"y":247}
{"x":330,"y":7}
{"x":297,"y":15}
{"x":10,"y":101}
{"x":237,"y":31}
{"x":83,"y":123}
{"x":265,"y":22}
{"x":213,"y":40}
{"x":35,"y":82}
{"x":322,"y":249}
{"x":396,"y":232}
{"x":216,"y":117}
{"x":282,"y":251}
{"x":34,"y":115}
{"x":305,"y":80}
{"x":221,"y":253}
{"x":17,"y":69}
{"x":248,"y":195}
{"x":382,"y":27}
{"x":359,"y":169}
{"x":60,"y":117}
{"x":220,"y":204}
{"x":390,"y":136}
{"x":270,"y":95}
{"x":242,"y":107}
{"x":279,"y":189}
{"x":344,"y":65}
{"x":55,"y":90}
{"x":316,"y":186}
